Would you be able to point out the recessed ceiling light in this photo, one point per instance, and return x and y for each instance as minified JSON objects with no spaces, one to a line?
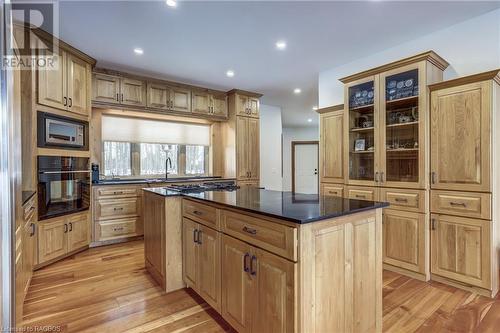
{"x":309,"y":120}
{"x":297,"y":91}
{"x":230,"y":73}
{"x":281,"y":45}
{"x":138,"y":50}
{"x":171,"y":3}
{"x":315,"y":108}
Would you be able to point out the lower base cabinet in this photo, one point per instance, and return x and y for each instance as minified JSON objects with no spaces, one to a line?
{"x":62,"y":235}
{"x":460,"y":249}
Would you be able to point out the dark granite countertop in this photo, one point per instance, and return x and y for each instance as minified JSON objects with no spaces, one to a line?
{"x":26,"y":195}
{"x":156,"y":180}
{"x":293,"y":207}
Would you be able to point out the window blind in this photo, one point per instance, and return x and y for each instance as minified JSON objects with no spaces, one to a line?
{"x":153,"y":131}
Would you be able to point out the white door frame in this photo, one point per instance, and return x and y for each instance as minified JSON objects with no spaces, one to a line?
{"x":297,"y":143}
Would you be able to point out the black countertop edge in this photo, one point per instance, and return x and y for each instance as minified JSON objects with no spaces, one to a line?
{"x":26,"y":195}
{"x":162,"y":181}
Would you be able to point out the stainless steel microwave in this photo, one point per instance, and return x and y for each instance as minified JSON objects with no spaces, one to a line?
{"x":62,"y":132}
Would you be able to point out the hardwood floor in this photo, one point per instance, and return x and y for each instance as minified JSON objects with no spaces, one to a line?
{"x":107,"y":289}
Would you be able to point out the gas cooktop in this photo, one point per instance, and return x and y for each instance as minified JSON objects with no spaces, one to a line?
{"x":212,"y":186}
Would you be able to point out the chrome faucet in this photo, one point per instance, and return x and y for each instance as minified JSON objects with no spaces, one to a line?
{"x":168,"y":163}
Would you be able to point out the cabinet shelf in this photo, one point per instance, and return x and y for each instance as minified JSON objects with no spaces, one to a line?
{"x":402,"y":150}
{"x":363,"y":108}
{"x":363,"y":152}
{"x":362,"y":129}
{"x":403,"y":124}
{"x":402,"y":101}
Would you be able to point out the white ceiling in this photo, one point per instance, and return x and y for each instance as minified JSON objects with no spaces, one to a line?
{"x":197,"y":42}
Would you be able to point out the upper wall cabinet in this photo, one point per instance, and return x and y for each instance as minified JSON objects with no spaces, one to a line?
{"x":113,"y":89}
{"x":208,"y":103}
{"x":67,"y":86}
{"x":331,"y":149}
{"x":386,"y":121}
{"x":247,"y":105}
{"x":168,"y":98}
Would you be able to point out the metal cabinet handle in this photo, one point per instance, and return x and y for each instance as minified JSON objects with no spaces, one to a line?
{"x":65,"y":228}
{"x":460,"y":204}
{"x":65,"y":100}
{"x":117,"y":97}
{"x":382,"y":177}
{"x":122,"y":97}
{"x":70,"y":226}
{"x":245,"y":266}
{"x":200,"y":233}
{"x":252,"y":272}
{"x":33,"y":226}
{"x":433,"y":177}
{"x":401,"y":200}
{"x":433,"y":224}
{"x":117,"y":208}
{"x":70,"y":102}
{"x":197,"y":212}
{"x":118,"y":192}
{"x":376,"y":177}
{"x":360,"y":196}
{"x":118,"y":229}
{"x":195,"y":235}
{"x":250,"y":231}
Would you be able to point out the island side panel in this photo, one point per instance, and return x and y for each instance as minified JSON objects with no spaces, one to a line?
{"x":340,"y":272}
{"x":173,"y":244}
{"x":154,"y":242}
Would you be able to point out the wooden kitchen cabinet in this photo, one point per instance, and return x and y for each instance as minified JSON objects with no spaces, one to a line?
{"x":247,"y":106}
{"x":114,"y":89}
{"x":68,"y":86}
{"x":200,"y":102}
{"x":248,"y":147}
{"x":60,"y":236}
{"x":331,"y":148}
{"x":219,"y":105}
{"x":332,"y":190}
{"x":180,"y":99}
{"x":132,"y":92}
{"x":158,"y":96}
{"x":460,"y":249}
{"x":202,"y":261}
{"x":404,"y":240}
{"x":461,"y":137}
{"x":207,"y":103}
{"x":168,"y":98}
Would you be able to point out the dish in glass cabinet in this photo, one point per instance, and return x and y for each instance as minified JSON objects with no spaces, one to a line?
{"x":364,"y":93}
{"x":409,"y":83}
{"x":391,"y":84}
{"x":370,"y":94}
{"x":358,"y":94}
{"x":400,"y":84}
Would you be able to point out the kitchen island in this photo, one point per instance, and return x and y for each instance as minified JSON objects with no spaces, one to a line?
{"x":270,"y":261}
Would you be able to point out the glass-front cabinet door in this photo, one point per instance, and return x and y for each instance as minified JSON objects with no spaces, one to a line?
{"x":362,"y":138}
{"x":402,"y":97}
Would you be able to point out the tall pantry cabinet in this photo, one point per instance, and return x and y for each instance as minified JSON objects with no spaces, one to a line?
{"x":465,"y":182}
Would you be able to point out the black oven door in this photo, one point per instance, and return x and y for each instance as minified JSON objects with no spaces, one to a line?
{"x":62,"y":192}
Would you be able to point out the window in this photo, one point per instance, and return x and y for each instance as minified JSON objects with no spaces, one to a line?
{"x":140,"y":148}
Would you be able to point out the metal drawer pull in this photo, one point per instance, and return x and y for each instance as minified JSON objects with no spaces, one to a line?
{"x":461,"y":204}
{"x":65,"y":228}
{"x":252,"y":272}
{"x":401,"y":200}
{"x":197,"y":212}
{"x":118,"y":208}
{"x":249,"y":230}
{"x":118,"y":192}
{"x":199,"y":237}
{"x":118,"y":229}
{"x":70,"y":226}
{"x":195,"y":235}
{"x":360,"y":196}
{"x":245,"y":266}
{"x":433,"y":224}
{"x":332,"y":192}
{"x":32,"y":233}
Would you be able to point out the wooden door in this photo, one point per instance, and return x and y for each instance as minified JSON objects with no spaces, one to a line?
{"x":190,"y":253}
{"x":52,"y":83}
{"x":242,"y":146}
{"x":219,"y":105}
{"x":253,"y":107}
{"x":106,"y":88}
{"x":275,"y":297}
{"x":332,"y":148}
{"x":253,"y":142}
{"x":78,"y":232}
{"x":78,"y":85}
{"x":238,"y":287}
{"x":404,"y":240}
{"x":158,"y":96}
{"x":133,"y":92}
{"x":242,"y":105}
{"x":180,"y":99}
{"x":461,"y":137}
{"x":52,"y":240}
{"x":200,"y":102}
{"x":210,"y":266}
{"x":460,"y":249}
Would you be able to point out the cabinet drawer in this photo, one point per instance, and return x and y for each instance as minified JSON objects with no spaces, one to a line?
{"x":362,"y":193}
{"x":409,"y":200}
{"x":274,"y":237}
{"x":116,"y":192}
{"x":332,"y":190}
{"x":116,"y":228}
{"x":201,"y":213}
{"x":117,"y":208}
{"x":476,"y":205}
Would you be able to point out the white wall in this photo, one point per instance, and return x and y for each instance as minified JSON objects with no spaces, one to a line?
{"x":470,"y":47}
{"x":270,"y":147}
{"x":289,"y":135}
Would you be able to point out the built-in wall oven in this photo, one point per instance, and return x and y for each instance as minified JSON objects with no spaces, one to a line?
{"x":62,"y":132}
{"x":63,"y":185}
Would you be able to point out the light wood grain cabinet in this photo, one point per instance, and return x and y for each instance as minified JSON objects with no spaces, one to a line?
{"x":209,"y":104}
{"x":332,"y":190}
{"x":332,"y":148}
{"x":202,"y":261}
{"x":168,"y":98}
{"x":461,"y":137}
{"x":113,"y":89}
{"x":62,"y":235}
{"x":248,"y":148}
{"x":247,"y":106}
{"x":66,"y":87}
{"x":461,"y":249}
